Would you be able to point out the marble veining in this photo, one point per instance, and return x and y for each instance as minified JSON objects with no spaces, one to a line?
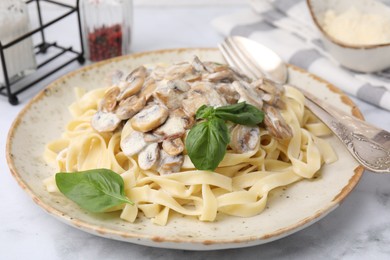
{"x":383,"y":197}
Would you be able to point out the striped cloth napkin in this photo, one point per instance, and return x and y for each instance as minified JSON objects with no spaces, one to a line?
{"x":287,"y":27}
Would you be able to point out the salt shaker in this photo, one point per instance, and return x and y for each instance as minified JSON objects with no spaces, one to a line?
{"x":19,"y":58}
{"x":106,"y":28}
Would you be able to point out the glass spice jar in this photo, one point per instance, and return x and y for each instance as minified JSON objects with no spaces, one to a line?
{"x":106,"y":28}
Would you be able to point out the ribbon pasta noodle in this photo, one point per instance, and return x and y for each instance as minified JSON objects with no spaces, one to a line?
{"x":240,"y":185}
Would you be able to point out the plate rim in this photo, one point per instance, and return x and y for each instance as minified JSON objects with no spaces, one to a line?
{"x":124,"y":236}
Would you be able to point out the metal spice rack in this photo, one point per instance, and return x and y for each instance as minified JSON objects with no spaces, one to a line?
{"x":41,"y":48}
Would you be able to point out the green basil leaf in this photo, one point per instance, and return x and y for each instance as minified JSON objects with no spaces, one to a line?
{"x":205,"y":112}
{"x":241,"y":113}
{"x":206,"y":144}
{"x":235,"y":108}
{"x":94,"y":190}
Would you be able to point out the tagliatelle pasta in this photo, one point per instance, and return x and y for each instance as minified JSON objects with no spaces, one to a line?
{"x":239,"y":186}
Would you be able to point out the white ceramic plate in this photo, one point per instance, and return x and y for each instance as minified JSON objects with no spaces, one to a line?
{"x":288,"y":211}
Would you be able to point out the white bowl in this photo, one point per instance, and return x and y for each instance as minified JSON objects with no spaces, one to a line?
{"x":363,"y":58}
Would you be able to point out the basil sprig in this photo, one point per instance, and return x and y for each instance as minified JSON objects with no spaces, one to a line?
{"x":207,"y":141}
{"x":94,"y":190}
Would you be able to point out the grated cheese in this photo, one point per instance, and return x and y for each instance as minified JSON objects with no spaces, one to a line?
{"x":355,"y":27}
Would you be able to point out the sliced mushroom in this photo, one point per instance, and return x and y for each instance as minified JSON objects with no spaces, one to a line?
{"x":193,"y":102}
{"x":105,"y":121}
{"x":213,"y":67}
{"x":187,"y":120}
{"x":133,"y":83}
{"x":268,"y":98}
{"x":133,"y":142}
{"x":192,"y":76}
{"x":183,"y":71}
{"x":149,"y":118}
{"x":202,"y":93}
{"x":109,"y":101}
{"x":279,"y":103}
{"x":153,"y":138}
{"x":208,"y":89}
{"x":148,"y":157}
{"x":239,"y":76}
{"x":176,"y":125}
{"x":228,"y":92}
{"x":148,"y":88}
{"x":248,"y":94}
{"x":276,"y":124}
{"x":244,"y":138}
{"x":177,"y":71}
{"x":221,"y":76}
{"x":273,"y":100}
{"x":178,"y":85}
{"x":272,"y":92}
{"x":172,"y":92}
{"x":198,"y":65}
{"x":172,"y":128}
{"x":267,"y":86}
{"x":168,"y":163}
{"x":129,"y":88}
{"x":173,"y":147}
{"x":130,"y":106}
{"x":140,"y":71}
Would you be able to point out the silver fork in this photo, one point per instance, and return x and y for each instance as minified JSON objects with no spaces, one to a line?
{"x":369,"y":145}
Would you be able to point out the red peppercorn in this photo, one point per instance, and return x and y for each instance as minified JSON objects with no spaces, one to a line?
{"x":105,"y":42}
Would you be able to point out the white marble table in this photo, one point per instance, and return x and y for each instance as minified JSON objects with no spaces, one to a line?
{"x":359,"y":229}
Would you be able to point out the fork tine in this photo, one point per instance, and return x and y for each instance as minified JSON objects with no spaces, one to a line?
{"x":243,"y":58}
{"x":232,"y":58}
{"x":239,"y":58}
{"x":227,"y":55}
{"x":246,"y":57}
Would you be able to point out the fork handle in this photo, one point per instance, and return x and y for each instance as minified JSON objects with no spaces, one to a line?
{"x":368,"y":144}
